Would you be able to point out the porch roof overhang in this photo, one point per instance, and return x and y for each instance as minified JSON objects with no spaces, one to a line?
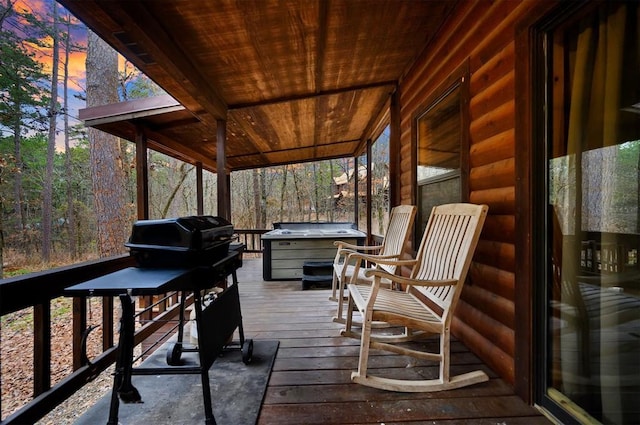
{"x":295,"y":80}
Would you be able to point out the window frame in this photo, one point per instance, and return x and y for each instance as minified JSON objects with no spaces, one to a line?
{"x":459,"y":78}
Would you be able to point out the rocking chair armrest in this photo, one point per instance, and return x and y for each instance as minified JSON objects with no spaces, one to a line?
{"x":344,"y":255}
{"x":390,"y":260}
{"x":347,"y":245}
{"x":409,"y":281}
{"x":349,"y":251}
{"x":345,"y":251}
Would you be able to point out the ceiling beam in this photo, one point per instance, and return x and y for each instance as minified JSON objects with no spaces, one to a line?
{"x":137,"y":108}
{"x":262,"y":154}
{"x":306,"y":96}
{"x":138,"y":24}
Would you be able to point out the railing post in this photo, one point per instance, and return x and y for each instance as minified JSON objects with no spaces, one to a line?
{"x":107,"y":323}
{"x":79,"y":325}
{"x":41,"y":348}
{"x":144,"y":303}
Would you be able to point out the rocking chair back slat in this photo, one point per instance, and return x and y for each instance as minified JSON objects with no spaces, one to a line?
{"x":443,"y":253}
{"x":396,"y":235}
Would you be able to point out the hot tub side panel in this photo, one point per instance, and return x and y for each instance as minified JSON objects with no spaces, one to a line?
{"x":284,"y":258}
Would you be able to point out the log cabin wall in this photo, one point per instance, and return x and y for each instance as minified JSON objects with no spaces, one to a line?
{"x":482,"y":34}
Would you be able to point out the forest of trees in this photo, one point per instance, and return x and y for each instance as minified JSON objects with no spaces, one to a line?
{"x":609,"y":191}
{"x":58,"y":206}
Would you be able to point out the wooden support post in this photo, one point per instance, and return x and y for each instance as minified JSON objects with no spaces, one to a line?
{"x":142,"y":184}
{"x":369,"y":190}
{"x":142,"y":175}
{"x":356,"y":209}
{"x":199,"y":189}
{"x":394,"y":150}
{"x":224,"y":195}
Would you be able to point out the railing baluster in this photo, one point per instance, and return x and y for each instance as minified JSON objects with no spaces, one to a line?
{"x":41,"y":348}
{"x":79,"y":325}
{"x":251,"y":238}
{"x":107,"y":323}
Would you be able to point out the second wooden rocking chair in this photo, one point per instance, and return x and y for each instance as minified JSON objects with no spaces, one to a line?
{"x":426,"y":305}
{"x":349,"y":258}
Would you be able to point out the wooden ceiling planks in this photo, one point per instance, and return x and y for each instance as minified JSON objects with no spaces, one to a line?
{"x":268,"y":47}
{"x":295,"y":80}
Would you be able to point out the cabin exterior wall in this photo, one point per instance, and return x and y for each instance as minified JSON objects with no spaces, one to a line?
{"x":483,"y":36}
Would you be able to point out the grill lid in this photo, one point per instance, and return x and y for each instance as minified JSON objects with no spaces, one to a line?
{"x":188,"y":233}
{"x":183,"y":241}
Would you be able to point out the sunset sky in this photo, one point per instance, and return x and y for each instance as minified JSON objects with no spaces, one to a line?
{"x":43,"y":9}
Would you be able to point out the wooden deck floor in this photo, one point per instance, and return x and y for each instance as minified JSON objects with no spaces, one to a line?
{"x":310,"y":382}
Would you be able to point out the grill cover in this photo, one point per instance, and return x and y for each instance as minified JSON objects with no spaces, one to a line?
{"x":180,"y":242}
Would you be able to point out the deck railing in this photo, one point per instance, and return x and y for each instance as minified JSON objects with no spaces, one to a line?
{"x":37,"y":290}
{"x":251,"y":238}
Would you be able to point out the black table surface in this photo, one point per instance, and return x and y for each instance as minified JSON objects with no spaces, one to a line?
{"x":146,"y":281}
{"x":134,"y":281}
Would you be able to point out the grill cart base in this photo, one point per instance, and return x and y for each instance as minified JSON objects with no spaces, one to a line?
{"x":215,"y":324}
{"x":224,"y":311}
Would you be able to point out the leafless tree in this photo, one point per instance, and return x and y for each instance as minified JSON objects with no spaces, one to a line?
{"x":107,"y":173}
{"x":47,"y":192}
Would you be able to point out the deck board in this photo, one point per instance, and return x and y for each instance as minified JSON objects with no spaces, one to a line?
{"x":310,"y":382}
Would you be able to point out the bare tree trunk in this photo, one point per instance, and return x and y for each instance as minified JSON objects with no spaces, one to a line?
{"x":315,"y":190}
{"x":184,"y":172}
{"x":47,"y":195}
{"x":107,"y":176}
{"x":283,"y":192}
{"x":71,"y":217}
{"x":17,"y":185}
{"x":298,"y":194}
{"x":263,"y":198}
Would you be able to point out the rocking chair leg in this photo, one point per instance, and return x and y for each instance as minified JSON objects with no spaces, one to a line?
{"x":334,"y":283}
{"x":365,"y":343}
{"x":444,"y":357}
{"x":340,"y":298}
{"x":349,"y":318}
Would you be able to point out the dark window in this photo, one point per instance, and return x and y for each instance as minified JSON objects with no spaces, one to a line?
{"x":440,"y":139}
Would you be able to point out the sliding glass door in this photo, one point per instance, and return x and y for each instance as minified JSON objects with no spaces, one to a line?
{"x":592,"y":214}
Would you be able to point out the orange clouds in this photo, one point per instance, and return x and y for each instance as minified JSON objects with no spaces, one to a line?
{"x":43,"y":10}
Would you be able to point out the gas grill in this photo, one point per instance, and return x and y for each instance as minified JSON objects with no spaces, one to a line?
{"x":180,"y":242}
{"x":186,"y":254}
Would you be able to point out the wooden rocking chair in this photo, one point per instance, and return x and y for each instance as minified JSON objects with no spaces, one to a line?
{"x":427,"y":303}
{"x":349,"y":257}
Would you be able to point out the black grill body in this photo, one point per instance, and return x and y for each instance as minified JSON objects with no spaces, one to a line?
{"x":180,"y":242}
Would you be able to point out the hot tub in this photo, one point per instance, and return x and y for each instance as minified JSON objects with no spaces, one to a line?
{"x":290,"y":244}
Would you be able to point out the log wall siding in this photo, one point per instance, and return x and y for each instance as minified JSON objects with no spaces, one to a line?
{"x":482,"y":34}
